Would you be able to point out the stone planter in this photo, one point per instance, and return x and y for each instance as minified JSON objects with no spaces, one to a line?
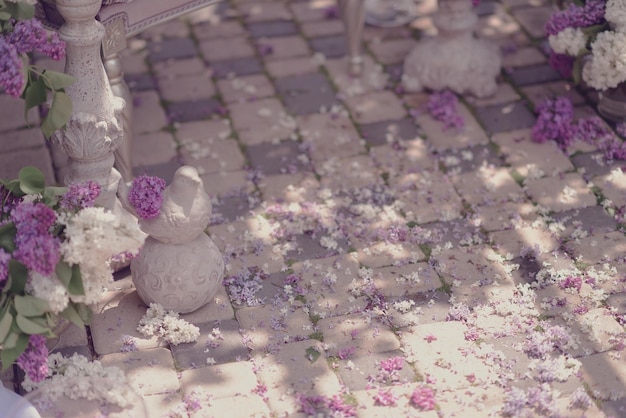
{"x":612,"y":103}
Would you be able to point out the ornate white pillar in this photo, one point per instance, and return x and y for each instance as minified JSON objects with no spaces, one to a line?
{"x":454,"y":58}
{"x":94,"y":130}
{"x":353,"y":15}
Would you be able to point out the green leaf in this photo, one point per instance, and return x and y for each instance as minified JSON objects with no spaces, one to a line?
{"x":30,"y":306}
{"x":9,"y":355}
{"x":71,"y":313}
{"x":64,"y":273}
{"x":56,"y":81}
{"x":21,"y":11}
{"x":5,"y":326}
{"x":14,"y":187}
{"x":76,"y":284}
{"x":312,"y":354}
{"x":84,"y":311}
{"x":58,"y":115}
{"x":34,"y":95}
{"x":7,"y":237}
{"x":11,"y":340}
{"x":30,"y":325}
{"x":32,"y":180}
{"x":5,"y":15}
{"x":19,"y":274}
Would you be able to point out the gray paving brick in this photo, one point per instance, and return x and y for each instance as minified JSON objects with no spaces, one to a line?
{"x":272,"y":28}
{"x":502,"y":118}
{"x":172,"y":49}
{"x":306,"y":93}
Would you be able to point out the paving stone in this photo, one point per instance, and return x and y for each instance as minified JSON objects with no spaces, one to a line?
{"x":175,"y":28}
{"x":475,"y":274}
{"x":592,"y":164}
{"x":230,"y":207}
{"x":592,"y":219}
{"x":501,"y":29}
{"x":212,"y":156}
{"x":258,"y":12}
{"x":382,"y":254}
{"x":534,"y":19}
{"x":427,"y":196}
{"x":540,"y":92}
{"x":330,"y":46}
{"x":272,"y":28}
{"x":437,"y":350}
{"x":504,"y":215}
{"x":249,"y":406}
{"x":535,"y":74}
{"x":69,"y":336}
{"x":470,"y":134}
{"x":568,"y":191}
{"x":397,"y":281}
{"x":599,"y":248}
{"x":298,"y":187}
{"x":238,"y":67}
{"x":358,"y":372}
{"x":244,"y":236}
{"x":329,"y":135}
{"x":306,"y":246}
{"x":369,"y":408}
{"x":217,"y":309}
{"x":22,"y":139}
{"x":349,"y":173}
{"x":148,"y":371}
{"x":458,"y":232}
{"x":375,"y":107}
{"x":509,"y":117}
{"x":283,"y":47}
{"x":148,"y":115}
{"x":531,"y":159}
{"x":267,"y":327}
{"x":380,"y":133}
{"x":472,"y":401}
{"x":520,"y":242}
{"x":190,"y":110}
{"x":117,"y":317}
{"x":292,"y":66}
{"x":247,"y":88}
{"x":504,"y":94}
{"x":281,"y":158}
{"x":310,"y":11}
{"x":219,"y":342}
{"x":604,"y":374}
{"x":12,"y":115}
{"x":223,"y":29}
{"x":306,"y":93}
{"x":392,"y":51}
{"x":261,"y":121}
{"x":224,"y":184}
{"x":372,"y":79}
{"x":153,"y":148}
{"x":12,"y":162}
{"x":193,"y":87}
{"x":613,"y":186}
{"x":163,"y":404}
{"x":458,"y":162}
{"x":139,"y":81}
{"x":522,"y":57}
{"x":179,"y":68}
{"x":359,"y":332}
{"x":289,"y":371}
{"x":226,"y":48}
{"x":488,"y":186}
{"x":322,"y":28}
{"x":172,"y":49}
{"x":164,"y":170}
{"x":409,"y":156}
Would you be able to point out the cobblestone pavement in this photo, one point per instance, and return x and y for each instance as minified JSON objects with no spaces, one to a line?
{"x":384,"y":262}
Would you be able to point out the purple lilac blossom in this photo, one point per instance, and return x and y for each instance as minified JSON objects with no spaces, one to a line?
{"x":620,"y":128}
{"x":562,"y":63}
{"x":385,"y":398}
{"x":592,"y":13}
{"x":146,"y":196}
{"x":39,"y":253}
{"x":442,"y":106}
{"x":34,"y":360}
{"x":80,"y":196}
{"x":339,"y":408}
{"x":555,"y":119}
{"x":11,"y":77}
{"x":30,"y":35}
{"x":4,"y":265}
{"x":33,"y":218}
{"x":423,"y":398}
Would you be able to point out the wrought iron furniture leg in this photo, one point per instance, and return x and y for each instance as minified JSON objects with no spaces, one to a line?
{"x":353,"y":15}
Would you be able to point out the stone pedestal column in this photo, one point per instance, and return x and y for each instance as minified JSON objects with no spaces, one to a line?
{"x":453,"y":59}
{"x":353,"y":15}
{"x":94,"y":130}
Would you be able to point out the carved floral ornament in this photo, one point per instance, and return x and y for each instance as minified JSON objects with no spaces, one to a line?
{"x":88,"y":137}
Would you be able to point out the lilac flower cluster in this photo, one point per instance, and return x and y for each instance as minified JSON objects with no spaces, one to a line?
{"x":589,"y":14}
{"x":572,"y":282}
{"x":555,"y":121}
{"x":27,"y":36}
{"x":385,"y":398}
{"x":34,"y":360}
{"x":36,"y":248}
{"x":4,"y":265}
{"x":562,"y":63}
{"x":243,"y":287}
{"x":321,"y":405}
{"x":458,"y":312}
{"x":423,"y":398}
{"x":442,"y":106}
{"x":541,"y":343}
{"x":537,"y":399}
{"x":146,"y":196}
{"x":80,"y":196}
{"x":295,"y":285}
{"x":388,"y":370}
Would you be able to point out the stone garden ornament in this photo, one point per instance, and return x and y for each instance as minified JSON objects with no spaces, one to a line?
{"x":179,"y":266}
{"x":454,"y":59}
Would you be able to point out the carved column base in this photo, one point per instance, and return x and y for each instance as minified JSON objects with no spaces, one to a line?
{"x":465,"y":65}
{"x":612,"y":103}
{"x":180,"y":277}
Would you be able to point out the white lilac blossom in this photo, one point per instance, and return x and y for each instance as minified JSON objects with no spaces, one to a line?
{"x":606,"y":67}
{"x":615,"y":14}
{"x":50,"y":289}
{"x":167,"y":325}
{"x":78,"y":378}
{"x":569,"y":41}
